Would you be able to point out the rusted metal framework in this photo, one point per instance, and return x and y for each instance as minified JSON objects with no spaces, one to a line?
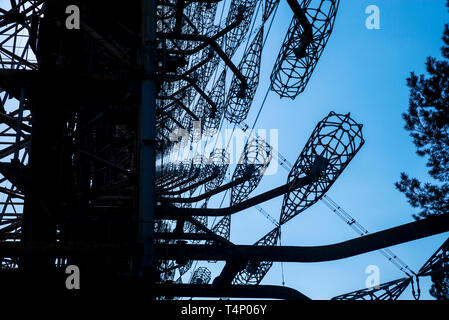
{"x":101,"y":131}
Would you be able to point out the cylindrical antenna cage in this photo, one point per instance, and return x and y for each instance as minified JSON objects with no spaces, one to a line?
{"x":203,"y":15}
{"x":217,"y":94}
{"x":191,"y":228}
{"x":185,"y":267}
{"x":169,"y":274}
{"x":201,"y":275}
{"x":332,"y":145}
{"x":300,"y":52}
{"x":243,"y":9}
{"x":270,"y":6}
{"x":218,"y":164}
{"x":255,"y":159}
{"x":222,"y":229}
{"x":255,"y":271}
{"x":241,"y":95}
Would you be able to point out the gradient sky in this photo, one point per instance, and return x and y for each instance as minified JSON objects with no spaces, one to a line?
{"x":363,"y":72}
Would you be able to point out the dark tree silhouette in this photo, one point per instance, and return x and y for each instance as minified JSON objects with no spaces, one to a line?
{"x":427,"y":120}
{"x":440,"y":286}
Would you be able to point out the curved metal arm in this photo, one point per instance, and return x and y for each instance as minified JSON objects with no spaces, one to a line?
{"x":375,"y":241}
{"x":185,"y":189}
{"x":308,"y":31}
{"x":235,"y":291}
{"x":173,"y":213}
{"x":207,"y":194}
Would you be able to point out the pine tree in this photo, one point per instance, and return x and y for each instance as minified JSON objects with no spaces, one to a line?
{"x":427,"y":120}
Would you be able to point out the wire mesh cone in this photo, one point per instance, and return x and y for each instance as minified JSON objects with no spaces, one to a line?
{"x":332,"y":145}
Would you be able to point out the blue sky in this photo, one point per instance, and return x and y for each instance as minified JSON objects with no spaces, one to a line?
{"x":363,"y":72}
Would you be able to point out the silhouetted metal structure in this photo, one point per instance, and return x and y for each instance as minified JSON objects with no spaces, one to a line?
{"x":307,"y":36}
{"x":201,"y":276}
{"x":386,"y":291}
{"x":333,"y":144}
{"x":256,"y":270}
{"x":437,"y":267}
{"x":100,"y":127}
